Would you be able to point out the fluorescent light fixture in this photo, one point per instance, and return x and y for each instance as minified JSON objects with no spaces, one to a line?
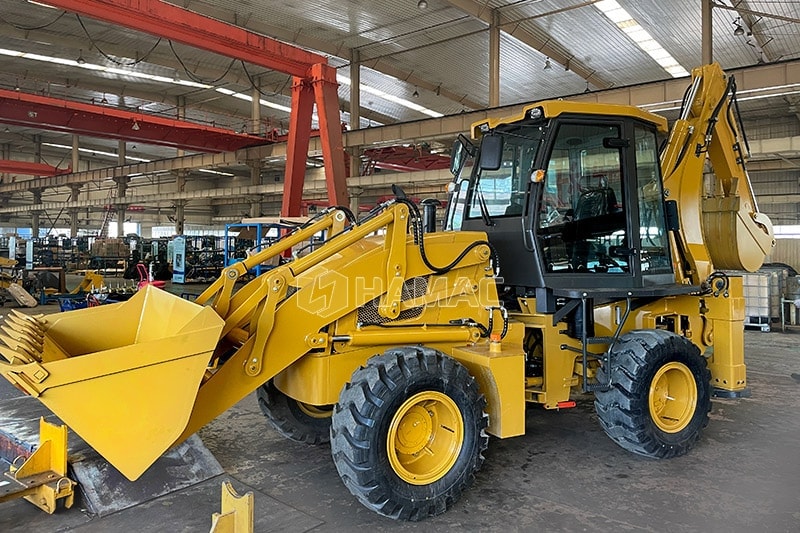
{"x":101,"y":68}
{"x":217,"y":172}
{"x":789,"y":231}
{"x":41,"y":4}
{"x":624,"y":21}
{"x":188,"y":83}
{"x":392,"y":98}
{"x":248,"y":98}
{"x":97,"y":152}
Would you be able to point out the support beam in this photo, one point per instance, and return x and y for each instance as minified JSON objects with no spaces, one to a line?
{"x":75,"y":153}
{"x":547,"y":46}
{"x":35,"y":213}
{"x":73,"y":221}
{"x":26,"y":168}
{"x":255,"y":112}
{"x":180,"y":204}
{"x":180,"y":216}
{"x":297,"y":147}
{"x":75,"y":191}
{"x":355,"y":111}
{"x":330,"y":132}
{"x":494,"y":59}
{"x":255,"y":180}
{"x":763,"y":81}
{"x":44,"y":112}
{"x":5,"y":154}
{"x":707,"y":29}
{"x":355,"y":90}
{"x":430,"y":178}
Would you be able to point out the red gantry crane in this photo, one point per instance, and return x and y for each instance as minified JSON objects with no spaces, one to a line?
{"x":314,"y":81}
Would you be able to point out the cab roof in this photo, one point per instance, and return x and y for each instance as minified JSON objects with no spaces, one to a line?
{"x":554,"y":108}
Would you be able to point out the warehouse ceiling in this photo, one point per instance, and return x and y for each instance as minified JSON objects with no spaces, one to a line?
{"x":420,"y":58}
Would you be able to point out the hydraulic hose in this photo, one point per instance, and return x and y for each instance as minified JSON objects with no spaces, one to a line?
{"x":416,"y":226}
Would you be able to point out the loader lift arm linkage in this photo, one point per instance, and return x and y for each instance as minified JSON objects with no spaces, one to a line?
{"x":255,"y":330}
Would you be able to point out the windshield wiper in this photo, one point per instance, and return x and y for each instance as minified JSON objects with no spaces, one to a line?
{"x":487,"y":218}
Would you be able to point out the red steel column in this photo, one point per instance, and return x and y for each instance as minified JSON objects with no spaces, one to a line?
{"x":330,"y":131}
{"x":297,"y":146}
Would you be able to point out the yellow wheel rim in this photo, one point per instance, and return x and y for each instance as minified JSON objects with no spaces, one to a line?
{"x":425,"y":438}
{"x":673,"y":397}
{"x":313,"y":411}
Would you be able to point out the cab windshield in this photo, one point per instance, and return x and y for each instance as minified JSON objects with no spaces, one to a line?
{"x":502,"y":192}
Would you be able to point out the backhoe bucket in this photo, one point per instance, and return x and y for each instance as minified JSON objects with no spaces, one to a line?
{"x":123,"y":376}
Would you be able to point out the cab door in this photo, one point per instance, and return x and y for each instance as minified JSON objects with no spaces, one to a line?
{"x":599,"y":217}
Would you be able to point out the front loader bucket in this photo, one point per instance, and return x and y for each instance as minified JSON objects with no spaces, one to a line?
{"x":123,"y":376}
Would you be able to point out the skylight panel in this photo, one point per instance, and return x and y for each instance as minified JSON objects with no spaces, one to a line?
{"x":624,"y":21}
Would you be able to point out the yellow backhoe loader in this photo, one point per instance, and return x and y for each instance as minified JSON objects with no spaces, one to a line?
{"x":577,"y":257}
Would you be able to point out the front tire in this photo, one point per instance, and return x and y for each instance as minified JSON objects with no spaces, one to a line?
{"x":294,"y":420}
{"x":408,"y":433}
{"x":660,"y":396}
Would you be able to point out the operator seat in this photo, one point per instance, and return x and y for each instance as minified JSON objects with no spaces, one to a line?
{"x":595,"y":202}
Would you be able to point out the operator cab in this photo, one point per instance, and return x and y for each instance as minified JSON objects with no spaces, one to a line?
{"x":570,"y":196}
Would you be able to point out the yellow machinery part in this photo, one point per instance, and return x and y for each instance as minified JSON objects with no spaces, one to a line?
{"x":122,"y":376}
{"x":425,"y":437}
{"x":236,"y":514}
{"x":135,"y":378}
{"x":499,"y":369}
{"x":42,"y":478}
{"x":90,"y":280}
{"x":672,"y":397}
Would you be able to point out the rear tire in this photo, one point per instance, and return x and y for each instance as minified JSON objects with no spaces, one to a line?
{"x":660,"y":397}
{"x":408,"y":433}
{"x":294,"y":420}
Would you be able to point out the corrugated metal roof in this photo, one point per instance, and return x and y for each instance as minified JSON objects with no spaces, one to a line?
{"x":440,"y":53}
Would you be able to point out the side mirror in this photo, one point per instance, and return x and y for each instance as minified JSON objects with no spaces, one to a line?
{"x":462,"y":148}
{"x":491,"y":152}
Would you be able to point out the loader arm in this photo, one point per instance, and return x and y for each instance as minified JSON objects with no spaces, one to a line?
{"x":279,"y":317}
{"x":164,"y":366}
{"x":720,"y":228}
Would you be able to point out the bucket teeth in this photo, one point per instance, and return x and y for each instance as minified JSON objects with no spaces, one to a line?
{"x":15,"y":357}
{"x":14,"y":329}
{"x":27,"y":319}
{"x":24,"y":337}
{"x":17,"y":344}
{"x":22,"y":334}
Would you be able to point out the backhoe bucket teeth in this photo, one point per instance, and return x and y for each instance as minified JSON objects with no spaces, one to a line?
{"x":123,"y":376}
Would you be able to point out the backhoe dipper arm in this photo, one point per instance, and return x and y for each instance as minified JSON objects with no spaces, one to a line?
{"x":719,"y":229}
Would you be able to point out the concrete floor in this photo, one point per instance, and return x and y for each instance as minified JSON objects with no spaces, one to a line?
{"x":563,"y":475}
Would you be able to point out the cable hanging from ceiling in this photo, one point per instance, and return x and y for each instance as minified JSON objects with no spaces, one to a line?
{"x":254,"y":85}
{"x":108,"y":57}
{"x":31,"y":28}
{"x":192,"y":76}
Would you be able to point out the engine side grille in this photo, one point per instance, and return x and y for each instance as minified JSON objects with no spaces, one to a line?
{"x":412,"y":288}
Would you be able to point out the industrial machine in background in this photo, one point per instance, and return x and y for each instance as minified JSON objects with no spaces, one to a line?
{"x":578,"y":259}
